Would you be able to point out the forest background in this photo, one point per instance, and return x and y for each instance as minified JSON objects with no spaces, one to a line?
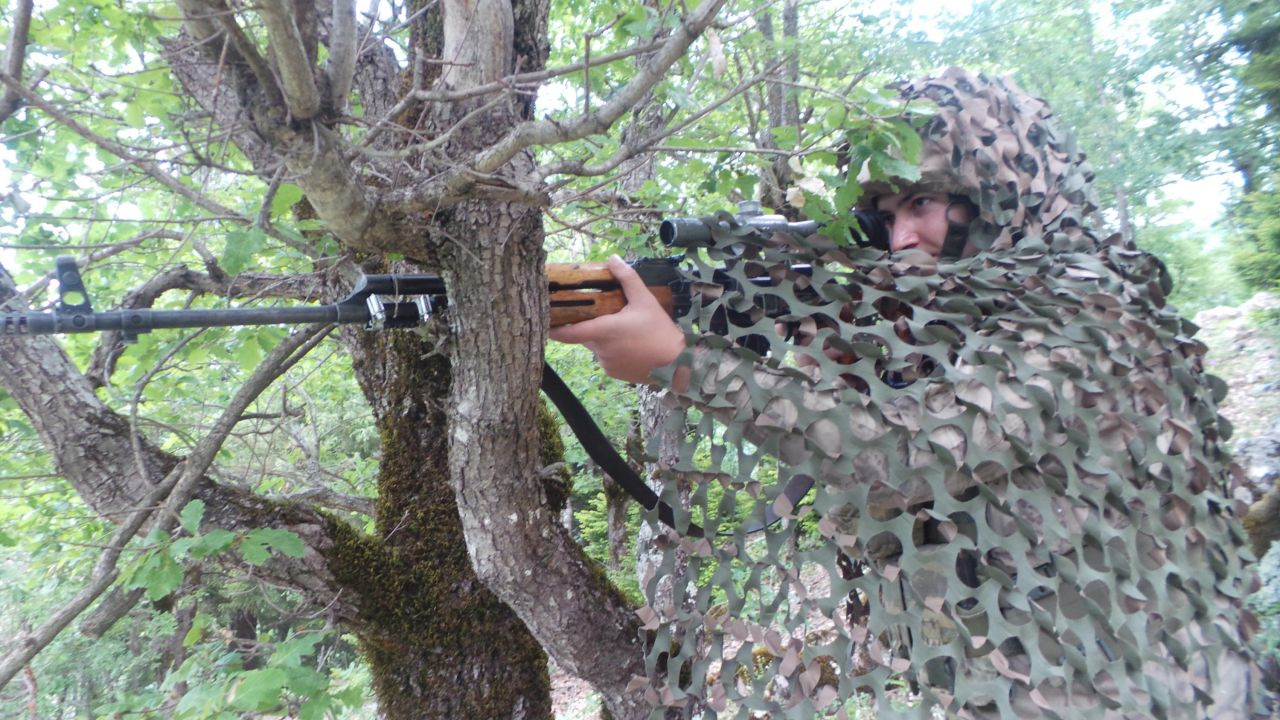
{"x":255,"y":587}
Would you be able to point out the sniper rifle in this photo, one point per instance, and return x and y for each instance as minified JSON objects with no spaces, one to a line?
{"x":577,"y":292}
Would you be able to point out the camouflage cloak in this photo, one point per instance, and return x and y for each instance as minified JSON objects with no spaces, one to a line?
{"x":1023,"y":506}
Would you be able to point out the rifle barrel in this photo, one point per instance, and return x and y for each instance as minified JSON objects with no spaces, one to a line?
{"x":137,"y":321}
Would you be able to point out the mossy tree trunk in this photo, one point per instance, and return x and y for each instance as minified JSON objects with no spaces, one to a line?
{"x":438,"y":642}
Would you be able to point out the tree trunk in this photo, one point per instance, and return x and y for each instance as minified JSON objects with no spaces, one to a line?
{"x":438,"y":642}
{"x":498,"y":315}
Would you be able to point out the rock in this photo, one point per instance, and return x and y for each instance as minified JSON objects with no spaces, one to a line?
{"x":1260,"y":458}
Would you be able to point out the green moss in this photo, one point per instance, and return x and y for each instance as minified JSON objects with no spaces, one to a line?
{"x":559,"y":483}
{"x":438,"y":643}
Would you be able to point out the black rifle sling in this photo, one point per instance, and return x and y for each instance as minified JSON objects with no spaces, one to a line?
{"x":599,"y":449}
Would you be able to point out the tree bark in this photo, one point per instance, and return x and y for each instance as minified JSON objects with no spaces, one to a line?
{"x":438,"y":642}
{"x":498,"y":317}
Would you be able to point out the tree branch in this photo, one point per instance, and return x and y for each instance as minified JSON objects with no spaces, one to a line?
{"x":456,"y":185}
{"x":178,"y":487}
{"x":323,"y":497}
{"x":16,"y":57}
{"x":103,"y":575}
{"x":245,"y":49}
{"x":285,"y":42}
{"x":519,"y":81}
{"x":115,"y":148}
{"x":111,"y":345}
{"x":341,"y":66}
{"x":645,"y":142}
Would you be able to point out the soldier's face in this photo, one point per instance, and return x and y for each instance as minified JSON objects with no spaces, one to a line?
{"x":919,"y":221}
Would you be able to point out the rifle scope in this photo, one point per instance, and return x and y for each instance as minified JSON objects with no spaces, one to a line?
{"x":697,"y":232}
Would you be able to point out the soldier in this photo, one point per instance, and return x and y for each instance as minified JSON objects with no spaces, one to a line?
{"x":1028,"y":458}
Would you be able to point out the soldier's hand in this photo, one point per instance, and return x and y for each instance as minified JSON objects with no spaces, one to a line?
{"x":633,"y":342}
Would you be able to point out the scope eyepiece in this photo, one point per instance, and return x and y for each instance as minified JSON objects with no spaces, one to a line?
{"x":872,"y":231}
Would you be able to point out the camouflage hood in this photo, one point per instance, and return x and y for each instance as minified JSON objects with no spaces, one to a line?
{"x":1002,"y":148}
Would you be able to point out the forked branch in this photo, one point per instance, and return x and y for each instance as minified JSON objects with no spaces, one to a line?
{"x":456,"y":185}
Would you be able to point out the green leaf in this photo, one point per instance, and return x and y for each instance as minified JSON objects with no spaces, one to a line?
{"x":6,"y":541}
{"x":211,"y":543}
{"x":200,"y":701}
{"x":305,"y":682}
{"x":316,"y":708}
{"x":249,"y":354}
{"x":134,"y":116}
{"x":200,"y":623}
{"x":254,"y":550}
{"x":160,"y":574}
{"x":290,"y":652}
{"x":242,"y":246}
{"x":191,"y":516}
{"x":286,"y":195}
{"x":284,"y":542}
{"x":835,"y":116}
{"x":258,"y":690}
{"x":785,"y":136}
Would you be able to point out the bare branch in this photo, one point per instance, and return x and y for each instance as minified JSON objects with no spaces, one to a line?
{"x":111,"y":345}
{"x":245,"y":49}
{"x":111,"y":608}
{"x":323,"y":497}
{"x":341,"y":66}
{"x":16,"y":57}
{"x":650,"y":73}
{"x":103,"y":575}
{"x":643,"y":143}
{"x":418,"y":149}
{"x":285,"y":42}
{"x":335,"y":191}
{"x":521,"y":82}
{"x":264,"y":210}
{"x":99,"y":253}
{"x":718,"y":150}
{"x":454,"y":186}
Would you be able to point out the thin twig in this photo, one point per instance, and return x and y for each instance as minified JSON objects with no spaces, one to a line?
{"x":527,"y":80}
{"x":119,"y":151}
{"x":580,"y":169}
{"x":456,"y":185}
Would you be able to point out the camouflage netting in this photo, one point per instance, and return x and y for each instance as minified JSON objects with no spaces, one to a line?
{"x":1022,"y":505}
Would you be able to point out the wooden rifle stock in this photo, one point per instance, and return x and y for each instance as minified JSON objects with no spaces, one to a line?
{"x":582,"y":291}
